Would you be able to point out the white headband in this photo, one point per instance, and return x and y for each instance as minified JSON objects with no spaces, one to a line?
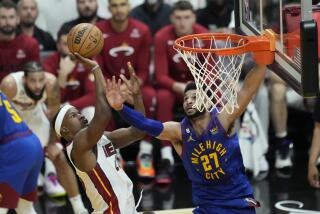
{"x":60,"y":116}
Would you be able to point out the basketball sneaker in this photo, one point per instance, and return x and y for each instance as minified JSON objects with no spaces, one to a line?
{"x":52,"y":187}
{"x":165,"y":172}
{"x":145,"y":166}
{"x":283,"y":162}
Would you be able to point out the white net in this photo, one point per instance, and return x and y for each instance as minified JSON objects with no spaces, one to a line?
{"x":216,"y":76}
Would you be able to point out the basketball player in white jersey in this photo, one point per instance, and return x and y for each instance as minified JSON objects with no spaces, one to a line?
{"x":93,"y":151}
{"x":35,"y":94}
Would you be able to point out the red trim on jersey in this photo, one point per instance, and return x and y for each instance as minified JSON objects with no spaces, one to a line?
{"x":8,"y":196}
{"x":31,"y":196}
{"x":104,"y":188}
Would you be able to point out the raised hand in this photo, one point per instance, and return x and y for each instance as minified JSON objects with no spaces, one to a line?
{"x":133,"y":84}
{"x":113,"y":95}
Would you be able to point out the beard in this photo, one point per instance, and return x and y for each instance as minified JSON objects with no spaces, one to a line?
{"x":87,"y":17}
{"x":8,"y":31}
{"x":195,"y":115}
{"x":28,"y":23}
{"x":32,"y":95}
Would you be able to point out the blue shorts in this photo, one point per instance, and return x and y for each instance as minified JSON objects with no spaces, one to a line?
{"x":220,"y":210}
{"x":234,"y":206}
{"x":20,"y":163}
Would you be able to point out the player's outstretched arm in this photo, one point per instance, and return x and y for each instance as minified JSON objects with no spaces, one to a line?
{"x":163,"y":131}
{"x":125,"y":136}
{"x":313,"y":172}
{"x":87,"y":138}
{"x":249,"y":88}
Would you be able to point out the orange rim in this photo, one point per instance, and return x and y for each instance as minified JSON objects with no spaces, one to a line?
{"x":265,"y":42}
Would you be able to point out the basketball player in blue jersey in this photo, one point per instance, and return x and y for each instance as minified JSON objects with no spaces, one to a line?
{"x":20,"y":161}
{"x":207,"y":145}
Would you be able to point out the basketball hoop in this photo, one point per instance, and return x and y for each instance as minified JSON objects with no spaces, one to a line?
{"x":215,"y":61}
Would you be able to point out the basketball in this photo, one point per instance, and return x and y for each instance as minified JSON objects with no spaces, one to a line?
{"x":85,"y":39}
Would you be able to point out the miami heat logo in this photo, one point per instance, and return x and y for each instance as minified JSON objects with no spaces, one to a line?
{"x":207,"y":157}
{"x":125,"y":48}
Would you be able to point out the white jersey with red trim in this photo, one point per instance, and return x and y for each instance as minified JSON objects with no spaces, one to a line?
{"x":107,"y":186}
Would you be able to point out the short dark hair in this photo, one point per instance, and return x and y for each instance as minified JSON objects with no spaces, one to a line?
{"x":8,"y":4}
{"x":182,"y":5}
{"x":32,"y":66}
{"x":64,"y":30}
{"x":190,"y":86}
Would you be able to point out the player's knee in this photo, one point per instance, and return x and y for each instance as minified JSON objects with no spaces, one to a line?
{"x":278,"y":92}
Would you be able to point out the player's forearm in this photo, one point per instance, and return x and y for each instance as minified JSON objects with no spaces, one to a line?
{"x":138,"y":103}
{"x":315,"y":146}
{"x":102,"y":109}
{"x":136,"y":119}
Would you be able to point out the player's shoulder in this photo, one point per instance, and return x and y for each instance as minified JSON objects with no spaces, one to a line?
{"x":26,"y":39}
{"x":197,"y":28}
{"x":138,"y":24}
{"x":165,"y":32}
{"x":9,"y":86}
{"x":103,"y":24}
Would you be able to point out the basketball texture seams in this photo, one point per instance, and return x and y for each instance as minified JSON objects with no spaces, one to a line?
{"x":86,"y":39}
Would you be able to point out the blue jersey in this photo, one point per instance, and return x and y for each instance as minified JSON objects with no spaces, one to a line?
{"x":214,"y":164}
{"x":10,"y":123}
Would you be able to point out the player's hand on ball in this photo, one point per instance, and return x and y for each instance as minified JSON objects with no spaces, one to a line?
{"x":88,"y":63}
{"x":313,"y":176}
{"x":133,"y":84}
{"x":113,"y":95}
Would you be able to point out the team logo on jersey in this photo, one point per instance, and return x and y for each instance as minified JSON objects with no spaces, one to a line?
{"x":20,"y":54}
{"x":207,"y":159}
{"x":190,"y":138}
{"x":135,"y":33}
{"x":73,"y":83}
{"x":214,"y":130}
{"x":125,"y":48}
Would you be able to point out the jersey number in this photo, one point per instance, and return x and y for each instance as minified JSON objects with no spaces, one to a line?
{"x":206,"y":161}
{"x":14,"y":115}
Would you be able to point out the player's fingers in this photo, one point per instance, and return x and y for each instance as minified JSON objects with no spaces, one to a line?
{"x":119,"y":84}
{"x":130,"y":68}
{"x":108,"y":84}
{"x":125,"y":80}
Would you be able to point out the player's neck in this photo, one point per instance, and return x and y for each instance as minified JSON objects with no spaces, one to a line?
{"x":4,"y":37}
{"x":200,"y":123}
{"x":29,"y":30}
{"x":119,"y":26}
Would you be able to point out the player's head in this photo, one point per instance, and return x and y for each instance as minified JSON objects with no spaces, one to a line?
{"x":68,"y":121}
{"x":9,"y":18}
{"x":62,"y":44}
{"x":34,"y":80}
{"x":189,"y":99}
{"x":119,"y":10}
{"x":183,"y":17}
{"x":28,"y":12}
{"x":153,"y":2}
{"x":87,"y":9}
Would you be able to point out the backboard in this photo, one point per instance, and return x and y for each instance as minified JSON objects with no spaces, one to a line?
{"x":295,"y":23}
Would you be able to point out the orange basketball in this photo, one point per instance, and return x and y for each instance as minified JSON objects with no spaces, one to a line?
{"x":85,"y":39}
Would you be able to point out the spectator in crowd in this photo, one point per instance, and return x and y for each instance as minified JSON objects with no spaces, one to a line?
{"x":127,"y":39}
{"x":216,"y":16}
{"x":75,"y":81}
{"x":16,"y":48}
{"x":172,"y":74}
{"x":87,"y":10}
{"x":153,"y":13}
{"x":28,"y":12}
{"x":29,"y":90}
